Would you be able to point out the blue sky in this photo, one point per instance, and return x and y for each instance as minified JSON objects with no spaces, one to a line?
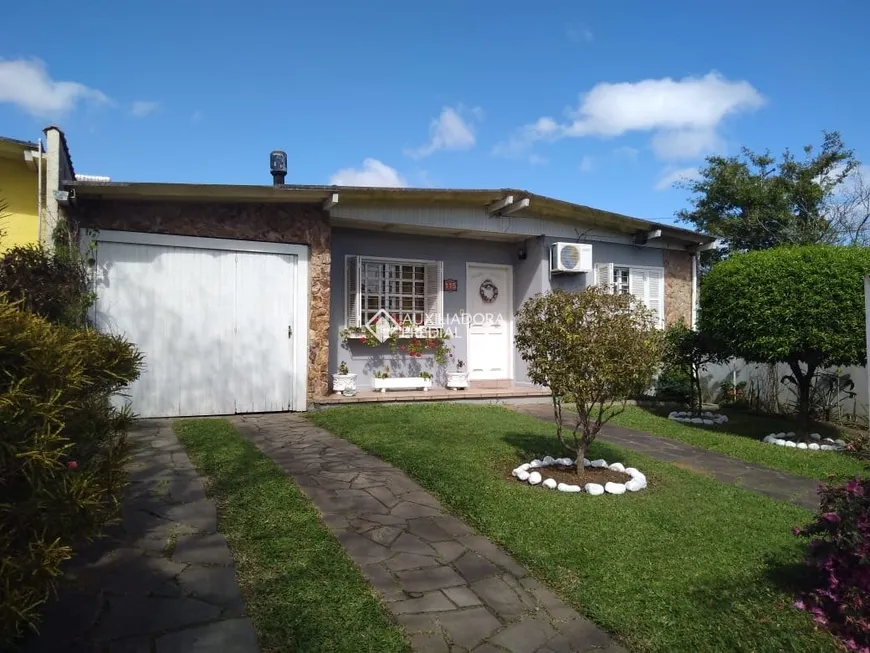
{"x":600,"y":103}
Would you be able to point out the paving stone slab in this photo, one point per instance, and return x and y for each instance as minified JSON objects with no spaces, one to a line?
{"x":424,"y":580}
{"x":236,"y":635}
{"x":469,"y":628}
{"x":208,"y":549}
{"x":525,"y":636}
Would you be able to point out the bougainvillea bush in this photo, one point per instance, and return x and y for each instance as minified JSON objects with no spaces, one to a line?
{"x":839,"y":553}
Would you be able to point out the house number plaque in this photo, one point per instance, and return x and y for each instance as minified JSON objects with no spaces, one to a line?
{"x":451,"y":285}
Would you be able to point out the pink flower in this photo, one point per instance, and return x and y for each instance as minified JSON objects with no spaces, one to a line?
{"x":800,"y":605}
{"x":831,"y":517}
{"x":72,"y":464}
{"x":795,"y":531}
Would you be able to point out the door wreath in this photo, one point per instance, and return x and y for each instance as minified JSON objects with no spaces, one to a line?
{"x":488,"y":291}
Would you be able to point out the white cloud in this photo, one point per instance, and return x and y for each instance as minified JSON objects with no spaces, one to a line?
{"x":372,"y":173}
{"x":449,"y":131}
{"x":627,"y":152}
{"x":142,"y":108}
{"x":671,"y":176}
{"x":579,"y":33}
{"x":682,"y":114}
{"x":587,"y":164}
{"x":537,"y":160}
{"x":26,"y":84}
{"x":685,"y":143}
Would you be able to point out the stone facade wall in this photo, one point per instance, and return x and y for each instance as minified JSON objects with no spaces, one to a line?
{"x":678,"y":287}
{"x":277,"y":223}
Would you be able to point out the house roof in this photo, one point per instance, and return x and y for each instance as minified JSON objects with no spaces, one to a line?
{"x":13,"y":148}
{"x":540,"y":205}
{"x":65,"y":145}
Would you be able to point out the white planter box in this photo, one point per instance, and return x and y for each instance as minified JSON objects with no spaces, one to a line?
{"x":341,"y":382}
{"x":402,"y":383}
{"x":457,"y":380}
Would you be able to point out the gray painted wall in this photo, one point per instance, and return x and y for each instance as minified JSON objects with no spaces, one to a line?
{"x":454,"y":252}
{"x":531,"y":276}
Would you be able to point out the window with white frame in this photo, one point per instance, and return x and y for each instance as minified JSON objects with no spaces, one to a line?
{"x":647,"y":284}
{"x":406,"y":289}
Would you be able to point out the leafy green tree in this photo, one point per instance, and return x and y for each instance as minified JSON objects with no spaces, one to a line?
{"x":802,"y":306}
{"x":755,"y":202}
{"x":594,"y":350}
{"x":689,"y":351}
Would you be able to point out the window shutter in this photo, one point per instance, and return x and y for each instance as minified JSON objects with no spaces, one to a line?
{"x":656,"y":295}
{"x":637,"y":282}
{"x":434,"y":293}
{"x":604,"y":276}
{"x":352,"y":292}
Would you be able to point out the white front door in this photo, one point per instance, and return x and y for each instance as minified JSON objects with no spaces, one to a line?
{"x":489,"y":303}
{"x":212,"y":325}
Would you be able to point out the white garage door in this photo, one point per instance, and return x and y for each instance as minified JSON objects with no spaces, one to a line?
{"x":222,"y":324}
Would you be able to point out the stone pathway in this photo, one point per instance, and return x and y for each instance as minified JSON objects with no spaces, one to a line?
{"x":450,"y":588}
{"x":773,"y":483}
{"x":163,"y":581}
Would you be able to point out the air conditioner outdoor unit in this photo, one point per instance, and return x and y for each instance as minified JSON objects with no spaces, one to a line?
{"x":570,"y":257}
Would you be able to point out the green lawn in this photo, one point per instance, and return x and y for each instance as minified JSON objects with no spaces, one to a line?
{"x":689,"y":564}
{"x":301,"y":591}
{"x":740,"y":437}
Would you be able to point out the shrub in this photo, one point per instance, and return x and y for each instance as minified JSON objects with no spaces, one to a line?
{"x":62,"y":449}
{"x":803,"y":306}
{"x":594,"y":350}
{"x":839,"y":555}
{"x":53,"y":284}
{"x":688,"y":351}
{"x":674,"y":384}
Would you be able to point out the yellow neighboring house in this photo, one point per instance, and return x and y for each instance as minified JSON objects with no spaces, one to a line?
{"x":19,"y":192}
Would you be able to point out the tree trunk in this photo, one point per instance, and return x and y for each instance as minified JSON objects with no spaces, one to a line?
{"x":804,"y":382}
{"x":696,"y":379}
{"x":581,"y":454}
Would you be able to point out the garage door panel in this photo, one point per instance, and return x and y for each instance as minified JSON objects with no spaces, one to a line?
{"x":207,"y":323}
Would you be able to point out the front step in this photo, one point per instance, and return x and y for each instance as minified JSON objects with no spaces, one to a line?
{"x":491,"y":384}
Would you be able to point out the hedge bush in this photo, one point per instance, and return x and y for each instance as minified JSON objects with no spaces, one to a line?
{"x":62,"y":450}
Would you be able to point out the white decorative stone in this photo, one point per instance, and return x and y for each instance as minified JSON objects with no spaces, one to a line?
{"x":708,"y":421}
{"x":586,"y":462}
{"x":769,"y":438}
{"x":527,"y":472}
{"x":828,"y":440}
{"x":815,"y":436}
{"x":827,"y":447}
{"x":635,"y":485}
{"x":841,"y":443}
{"x":791,"y":434}
{"x":791,"y":444}
{"x":614,"y":488}
{"x":697,"y":420}
{"x":802,"y":445}
{"x":814,"y":446}
{"x":780,"y":442}
{"x":594,"y":489}
{"x":548,"y":460}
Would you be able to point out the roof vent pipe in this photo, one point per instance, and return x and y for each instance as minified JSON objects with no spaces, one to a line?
{"x":278,"y":165}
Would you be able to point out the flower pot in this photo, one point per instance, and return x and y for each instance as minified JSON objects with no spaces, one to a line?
{"x":342,"y":382}
{"x":402,"y":383}
{"x":457,"y":380}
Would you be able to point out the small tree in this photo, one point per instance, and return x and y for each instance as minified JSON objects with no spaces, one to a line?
{"x":690,"y":351}
{"x":802,"y":306}
{"x":593,"y":350}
